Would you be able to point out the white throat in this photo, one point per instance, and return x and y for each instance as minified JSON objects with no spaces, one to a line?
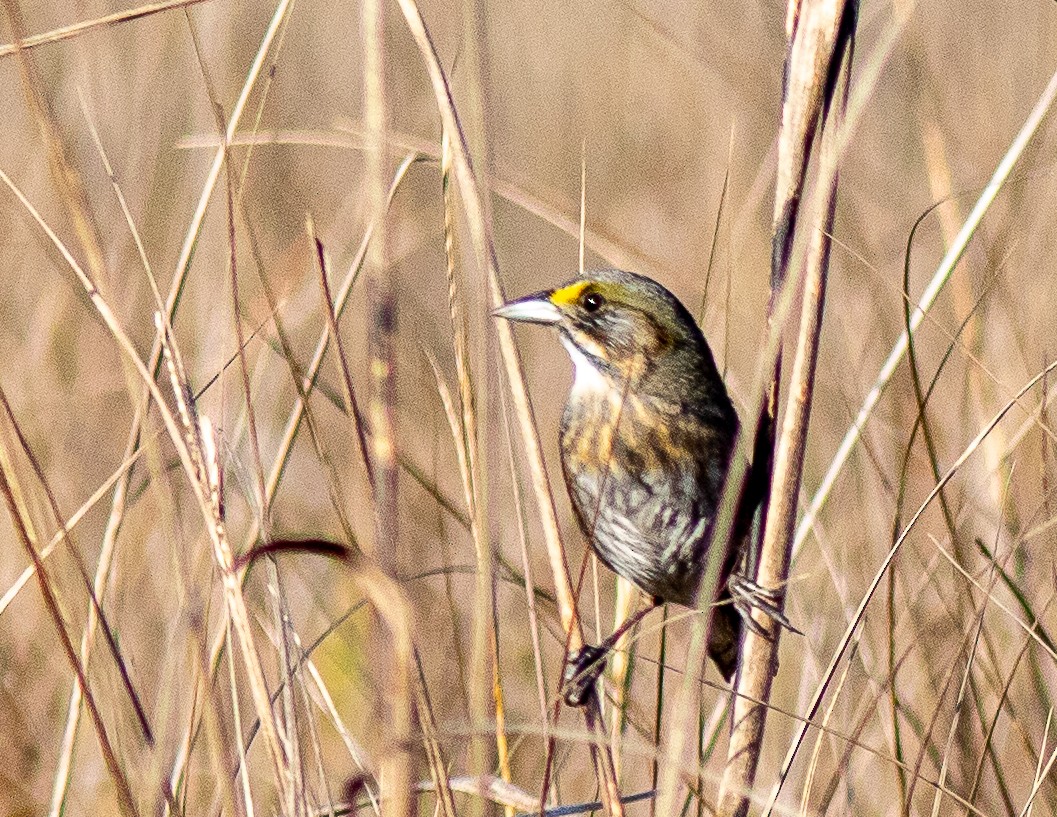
{"x":587,"y":377}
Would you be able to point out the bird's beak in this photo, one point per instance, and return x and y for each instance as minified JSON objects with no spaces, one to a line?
{"x":536,"y":308}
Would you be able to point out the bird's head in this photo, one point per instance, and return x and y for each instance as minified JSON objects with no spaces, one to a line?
{"x":626,"y":327}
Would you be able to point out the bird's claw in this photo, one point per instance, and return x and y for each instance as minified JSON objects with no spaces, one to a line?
{"x":582,"y":670}
{"x":748,"y":596}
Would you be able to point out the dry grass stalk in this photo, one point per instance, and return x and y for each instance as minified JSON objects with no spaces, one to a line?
{"x":543,"y":87}
{"x":291,"y":747}
{"x":674,"y":749}
{"x":14,"y":498}
{"x":1041,"y":772}
{"x":530,"y":590}
{"x":483,"y":561}
{"x":67,"y":179}
{"x":240,"y":743}
{"x":620,"y":663}
{"x":504,"y":182}
{"x":202,"y":453}
{"x":399,"y":676}
{"x":390,"y":603}
{"x":190,"y":458}
{"x":812,"y":769}
{"x":471,"y":201}
{"x":981,"y":389}
{"x":431,"y":740}
{"x":380,"y":293}
{"x":347,"y":391}
{"x":967,"y":673}
{"x":297,"y":414}
{"x":813,"y":37}
{"x":64,"y":769}
{"x":818,"y":43}
{"x":381,"y":332}
{"x":291,"y":428}
{"x":217,"y":738}
{"x":484,"y":651}
{"x":77,"y":29}
{"x":928,"y":297}
{"x":71,"y":523}
{"x":100,"y":583}
{"x":485,"y":255}
{"x":189,"y":445}
{"x":856,"y":618}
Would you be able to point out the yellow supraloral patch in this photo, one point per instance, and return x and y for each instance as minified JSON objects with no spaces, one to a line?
{"x":567,"y":295}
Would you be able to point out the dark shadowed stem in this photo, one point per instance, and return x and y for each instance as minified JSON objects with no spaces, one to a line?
{"x":658,"y":720}
{"x":381,"y":299}
{"x":759,"y":654}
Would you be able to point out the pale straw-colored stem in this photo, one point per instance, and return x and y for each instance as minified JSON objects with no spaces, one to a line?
{"x":77,"y":29}
{"x":820,"y":24}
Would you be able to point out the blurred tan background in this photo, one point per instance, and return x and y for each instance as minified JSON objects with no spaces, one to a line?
{"x":663,"y":100}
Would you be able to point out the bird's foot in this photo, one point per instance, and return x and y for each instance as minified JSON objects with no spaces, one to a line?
{"x":748,"y":596}
{"x":582,"y":670}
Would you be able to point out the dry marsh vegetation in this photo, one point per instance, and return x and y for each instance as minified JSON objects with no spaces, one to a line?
{"x":285,"y":531}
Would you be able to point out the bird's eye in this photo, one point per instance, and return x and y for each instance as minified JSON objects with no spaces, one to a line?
{"x":592,"y":301}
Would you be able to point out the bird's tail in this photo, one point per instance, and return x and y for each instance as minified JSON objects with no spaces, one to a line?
{"x":724,"y":644}
{"x":724,"y":641}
